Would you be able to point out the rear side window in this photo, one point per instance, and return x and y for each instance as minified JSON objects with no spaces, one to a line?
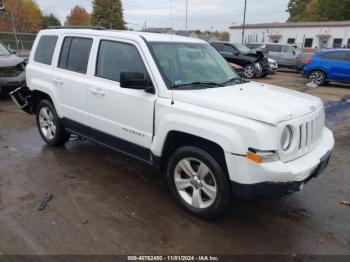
{"x":115,"y":57}
{"x":75,"y":54}
{"x":341,"y":56}
{"x":45,"y":49}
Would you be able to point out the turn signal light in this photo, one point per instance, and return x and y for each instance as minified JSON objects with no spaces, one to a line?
{"x":254,"y":157}
{"x":260,"y":156}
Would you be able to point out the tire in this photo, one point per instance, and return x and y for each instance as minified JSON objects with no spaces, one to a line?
{"x":49,"y":124}
{"x":249,"y":71}
{"x":204,"y":194}
{"x":318,"y":77}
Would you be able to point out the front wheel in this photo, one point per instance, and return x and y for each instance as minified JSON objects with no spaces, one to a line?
{"x":198,"y":182}
{"x":49,"y":124}
{"x":249,"y":71}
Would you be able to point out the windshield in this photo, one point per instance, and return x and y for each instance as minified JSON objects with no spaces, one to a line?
{"x":242,"y":48}
{"x":187,"y":65}
{"x":3,"y":50}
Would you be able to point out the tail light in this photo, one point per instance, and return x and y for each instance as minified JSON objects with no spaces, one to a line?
{"x":308,"y":60}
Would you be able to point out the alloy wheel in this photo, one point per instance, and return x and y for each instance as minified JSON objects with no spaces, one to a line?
{"x":195,"y":183}
{"x":47,"y":123}
{"x":317,"y":77}
{"x":249,"y":71}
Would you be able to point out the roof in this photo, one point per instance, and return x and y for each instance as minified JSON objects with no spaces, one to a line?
{"x":131,"y":35}
{"x":295,"y":24}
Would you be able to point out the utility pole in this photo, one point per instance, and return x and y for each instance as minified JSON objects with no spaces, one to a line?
{"x":14,"y":29}
{"x":245,"y":12}
{"x":186,"y":15}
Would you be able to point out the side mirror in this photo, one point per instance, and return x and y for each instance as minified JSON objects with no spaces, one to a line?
{"x":14,"y":52}
{"x":136,"y":80}
{"x":236,"y":53}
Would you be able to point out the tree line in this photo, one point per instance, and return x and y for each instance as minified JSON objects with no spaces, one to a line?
{"x":318,"y":10}
{"x":26,"y":16}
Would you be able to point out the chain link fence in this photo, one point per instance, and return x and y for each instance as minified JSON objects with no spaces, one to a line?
{"x":21,"y":42}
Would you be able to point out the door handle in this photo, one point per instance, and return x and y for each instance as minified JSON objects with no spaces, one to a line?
{"x":58,"y":81}
{"x":97,"y":91}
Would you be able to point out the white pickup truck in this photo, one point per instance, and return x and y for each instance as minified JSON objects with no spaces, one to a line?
{"x":174,"y":103}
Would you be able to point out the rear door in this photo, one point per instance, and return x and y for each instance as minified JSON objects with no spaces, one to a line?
{"x":71,"y":81}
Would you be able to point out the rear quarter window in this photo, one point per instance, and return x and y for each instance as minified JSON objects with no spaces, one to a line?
{"x":45,"y":49}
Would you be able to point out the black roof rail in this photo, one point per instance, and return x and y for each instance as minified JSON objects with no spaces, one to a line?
{"x":78,"y":27}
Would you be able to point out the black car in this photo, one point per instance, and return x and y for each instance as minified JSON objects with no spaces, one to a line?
{"x":254,"y":63}
{"x":12,"y":70}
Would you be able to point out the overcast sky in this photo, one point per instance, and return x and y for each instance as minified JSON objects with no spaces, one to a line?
{"x":202,"y":14}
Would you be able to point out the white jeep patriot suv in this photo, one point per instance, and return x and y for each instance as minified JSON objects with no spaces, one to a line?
{"x":174,"y":103}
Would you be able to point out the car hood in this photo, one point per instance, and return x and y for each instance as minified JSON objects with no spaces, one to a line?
{"x":265,"y":103}
{"x":257,"y":54}
{"x":10,"y":60}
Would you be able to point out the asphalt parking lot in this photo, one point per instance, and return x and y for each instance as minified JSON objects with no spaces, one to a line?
{"x":105,"y":203}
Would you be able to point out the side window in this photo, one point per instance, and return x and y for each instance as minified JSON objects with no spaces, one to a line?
{"x":75,"y":54}
{"x":219,"y":47}
{"x":288,"y":49}
{"x":45,"y":49}
{"x":229,"y":49}
{"x":342,"y":56}
{"x":275,"y":48}
{"x":114,"y":57}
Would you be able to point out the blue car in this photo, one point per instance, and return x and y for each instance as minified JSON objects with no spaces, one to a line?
{"x":328,"y":65}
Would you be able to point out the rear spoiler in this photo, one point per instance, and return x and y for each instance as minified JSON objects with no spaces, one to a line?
{"x":23,"y":98}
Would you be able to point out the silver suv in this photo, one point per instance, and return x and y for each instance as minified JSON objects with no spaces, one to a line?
{"x":285,"y":55}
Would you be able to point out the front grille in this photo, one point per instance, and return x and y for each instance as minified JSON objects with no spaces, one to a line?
{"x":9,"y":72}
{"x":307,"y":134}
{"x":310,"y":132}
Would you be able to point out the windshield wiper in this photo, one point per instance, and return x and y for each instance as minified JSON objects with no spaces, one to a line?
{"x":209,"y":84}
{"x":235,"y":80}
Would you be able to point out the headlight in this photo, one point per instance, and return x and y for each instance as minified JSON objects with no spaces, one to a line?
{"x":286,"y":138}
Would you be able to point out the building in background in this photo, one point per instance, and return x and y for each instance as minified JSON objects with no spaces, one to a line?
{"x":313,"y":35}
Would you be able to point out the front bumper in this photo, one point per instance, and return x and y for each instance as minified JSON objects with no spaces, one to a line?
{"x":8,"y":84}
{"x":274,"y":179}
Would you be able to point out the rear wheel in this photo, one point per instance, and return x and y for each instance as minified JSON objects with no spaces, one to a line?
{"x":318,"y":77}
{"x":49,"y":124}
{"x":198,"y":182}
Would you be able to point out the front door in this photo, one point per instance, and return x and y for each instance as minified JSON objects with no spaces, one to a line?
{"x":120,"y":118}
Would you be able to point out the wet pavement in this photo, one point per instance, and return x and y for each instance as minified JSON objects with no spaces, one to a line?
{"x":105,"y":203}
